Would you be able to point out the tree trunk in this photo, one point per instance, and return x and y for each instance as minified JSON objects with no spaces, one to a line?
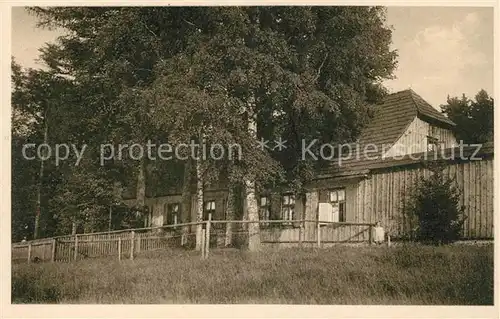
{"x":140,"y":197}
{"x":251,"y":201}
{"x":199,"y":200}
{"x":141,"y":185}
{"x":40,"y":183}
{"x":117,"y":193}
{"x":186,"y":193}
{"x":73,"y":227}
{"x":253,"y":216}
{"x":229,"y":215}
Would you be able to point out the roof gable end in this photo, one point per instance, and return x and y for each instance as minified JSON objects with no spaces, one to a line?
{"x":390,"y":120}
{"x":428,"y":113}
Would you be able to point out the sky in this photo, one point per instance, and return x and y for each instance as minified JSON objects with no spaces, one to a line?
{"x":442,"y":50}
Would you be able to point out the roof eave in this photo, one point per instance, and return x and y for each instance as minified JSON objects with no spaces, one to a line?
{"x":446,"y":124}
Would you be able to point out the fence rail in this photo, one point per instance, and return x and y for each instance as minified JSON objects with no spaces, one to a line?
{"x":214,"y":233}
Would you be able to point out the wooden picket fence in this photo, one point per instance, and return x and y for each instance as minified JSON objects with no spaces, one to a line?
{"x":215,"y":233}
{"x":122,"y":243}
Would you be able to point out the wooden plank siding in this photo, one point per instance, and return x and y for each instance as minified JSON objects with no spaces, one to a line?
{"x":159,"y":207}
{"x":414,"y":139}
{"x":384,"y":193}
{"x":378,"y":196}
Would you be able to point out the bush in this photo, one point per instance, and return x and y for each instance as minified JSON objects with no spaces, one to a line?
{"x":435,"y":204}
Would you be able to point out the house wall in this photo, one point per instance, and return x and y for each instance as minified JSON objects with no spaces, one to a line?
{"x":287,"y":233}
{"x":331,"y":233}
{"x":220,"y":198}
{"x":158,"y":206}
{"x":381,"y":197}
{"x":414,"y":139}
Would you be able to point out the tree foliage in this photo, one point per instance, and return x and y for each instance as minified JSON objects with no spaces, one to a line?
{"x":134,"y":74}
{"x":474,"y":117}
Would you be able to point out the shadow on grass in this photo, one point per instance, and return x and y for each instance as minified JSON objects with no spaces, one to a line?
{"x":28,"y":290}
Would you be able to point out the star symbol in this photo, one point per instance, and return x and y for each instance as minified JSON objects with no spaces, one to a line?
{"x":280,"y":144}
{"x":263,"y":143}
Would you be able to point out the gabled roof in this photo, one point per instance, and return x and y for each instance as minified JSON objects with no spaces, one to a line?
{"x":393,"y":116}
{"x":427,"y":112}
{"x":391,"y":119}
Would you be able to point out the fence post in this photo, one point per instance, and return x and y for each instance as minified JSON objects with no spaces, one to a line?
{"x":318,"y":234}
{"x":54,"y":244}
{"x":119,"y":248}
{"x":67,"y":244}
{"x":207,"y":240}
{"x":29,"y":253}
{"x":132,"y":240}
{"x":76,"y":248}
{"x":203,"y":243}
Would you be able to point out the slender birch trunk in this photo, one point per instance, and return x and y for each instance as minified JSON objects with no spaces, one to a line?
{"x":40,"y":183}
{"x":229,"y":215}
{"x":141,"y":185}
{"x":199,"y":201}
{"x":251,"y":201}
{"x":253,"y":216}
{"x":140,"y":197}
{"x":186,"y":192}
{"x":73,"y":227}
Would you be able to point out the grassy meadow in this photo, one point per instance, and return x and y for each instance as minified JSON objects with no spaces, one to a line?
{"x":409,"y":275}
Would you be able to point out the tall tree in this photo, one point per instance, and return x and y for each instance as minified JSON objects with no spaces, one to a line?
{"x":118,"y":60}
{"x":238,"y":74}
{"x":51,"y":109}
{"x":292,"y":75}
{"x":205,"y":114}
{"x":39,"y":101}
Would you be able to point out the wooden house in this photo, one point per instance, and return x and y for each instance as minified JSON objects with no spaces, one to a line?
{"x":404,"y":133}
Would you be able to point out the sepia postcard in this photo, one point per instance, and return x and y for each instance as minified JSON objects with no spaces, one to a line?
{"x":249,"y":160}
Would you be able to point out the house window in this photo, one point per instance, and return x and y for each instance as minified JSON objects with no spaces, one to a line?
{"x":433,"y":131}
{"x":287,"y":207}
{"x":209,"y":209}
{"x":432,"y":144}
{"x":336,"y":198}
{"x":171,"y":214}
{"x":264,"y":209}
